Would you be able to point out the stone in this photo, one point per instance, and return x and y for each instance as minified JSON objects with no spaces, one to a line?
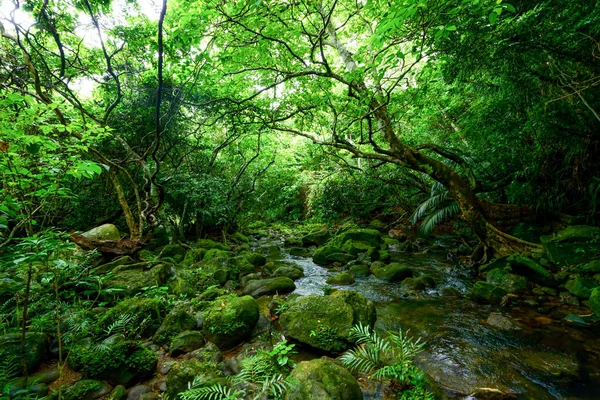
{"x":343,"y":278}
{"x":328,"y":254}
{"x":186,"y":342}
{"x":177,"y":321}
{"x":450,"y":292}
{"x":151,"y":310}
{"x":573,"y":245}
{"x":511,"y":282}
{"x":86,"y":389}
{"x":322,"y":379}
{"x":230,"y":320}
{"x":532,"y":270}
{"x":134,"y":280}
{"x":502,"y":322}
{"x":118,"y":393}
{"x":208,"y":354}
{"x":258,"y":260}
{"x":183,"y":373}
{"x":150,"y":396}
{"x":393,"y":272}
{"x":263,"y":287}
{"x":370,"y":237}
{"x":193,"y":256}
{"x":105,"y":268}
{"x":289,"y":271}
{"x":500,"y":263}
{"x":594,"y":266}
{"x":210,"y":244}
{"x":491,"y":394}
{"x":412,"y":285}
{"x":363,"y":310}
{"x":484,"y":292}
{"x":103,"y":232}
{"x":568,"y":298}
{"x":174,"y":251}
{"x":360,"y":270}
{"x":581,"y":287}
{"x":299,"y":252}
{"x":36,"y":348}
{"x":427,"y":281}
{"x":317,"y":238}
{"x":594,"y":301}
{"x":137,"y":391}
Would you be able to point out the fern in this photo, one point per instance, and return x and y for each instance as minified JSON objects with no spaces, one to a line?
{"x":214,"y":392}
{"x":436,"y":209}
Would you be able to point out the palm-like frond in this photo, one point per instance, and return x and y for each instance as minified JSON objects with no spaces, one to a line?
{"x":364,"y":358}
{"x":214,"y":392}
{"x":406,"y":347}
{"x":437,"y":208}
{"x":445,"y":211}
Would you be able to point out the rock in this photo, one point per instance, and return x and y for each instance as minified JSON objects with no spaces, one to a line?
{"x":573,"y":245}
{"x":576,"y":320}
{"x":210,"y":244}
{"x":450,"y":292}
{"x":230,"y":320}
{"x":360,"y":270}
{"x":86,"y":389}
{"x":105,"y":268}
{"x":491,"y":394}
{"x":208,"y":354}
{"x":511,"y":282}
{"x":370,"y":237}
{"x":502,"y":322}
{"x":412,"y":285}
{"x":329,"y":254}
{"x":177,"y":321}
{"x":581,"y":287}
{"x":17,"y":388}
{"x":393,"y":272}
{"x":122,"y":362}
{"x":427,"y":281}
{"x":343,"y":278}
{"x":324,"y":322}
{"x":299,"y":252}
{"x":216,"y":254}
{"x":363,"y":310}
{"x":103,"y":232}
{"x":262,"y":287}
{"x":150,"y":396}
{"x":532,"y":270}
{"x":151,"y":310}
{"x":174,"y":251}
{"x":355,"y":248}
{"x":289,"y":271}
{"x":134,"y":280}
{"x":595,"y":301}
{"x":324,"y":380}
{"x":184,"y":373}
{"x":118,"y":393}
{"x":239,"y":237}
{"x":193,"y":256}
{"x":377,"y":224}
{"x":487,"y":293}
{"x":182,"y":281}
{"x":500,"y":263}
{"x":36,"y":348}
{"x":568,"y":298}
{"x":186,"y":342}
{"x":137,"y":391}
{"x":258,"y":260}
{"x":316,"y":238}
{"x":594,"y":266}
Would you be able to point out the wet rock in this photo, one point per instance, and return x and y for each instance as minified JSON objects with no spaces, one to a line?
{"x":511,"y":282}
{"x":363,"y":310}
{"x":86,"y":389}
{"x":230,"y":320}
{"x":573,"y":245}
{"x":360,"y":270}
{"x":581,"y":287}
{"x":393,"y":272}
{"x":137,"y":391}
{"x":258,"y":260}
{"x":103,"y":232}
{"x":450,"y":292}
{"x":594,"y":301}
{"x":484,"y":292}
{"x":501,"y":322}
{"x":186,"y":342}
{"x":343,"y":278}
{"x":289,"y":271}
{"x":177,"y":321}
{"x":316,"y":238}
{"x":413,"y":285}
{"x":532,"y":270}
{"x":36,"y":348}
{"x":118,"y":393}
{"x":324,"y":380}
{"x":262,"y":287}
{"x":491,"y":394}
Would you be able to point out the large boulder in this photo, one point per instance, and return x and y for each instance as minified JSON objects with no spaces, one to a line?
{"x":132,"y":281}
{"x":322,"y":379}
{"x":177,"y":321}
{"x":531,"y":269}
{"x":371,"y":237}
{"x":148,"y":312}
{"x":103,"y":232}
{"x":186,"y":342}
{"x":511,"y":282}
{"x":324,"y":322}
{"x":484,"y":292}
{"x":86,"y":389}
{"x":343,"y":278}
{"x":329,"y":254}
{"x":183,"y":374}
{"x":211,"y":244}
{"x":293,"y":272}
{"x":573,"y":245}
{"x":317,"y":238}
{"x":230,"y":320}
{"x":36,"y":348}
{"x":581,"y":287}
{"x":263,"y":287}
{"x":393,"y":272}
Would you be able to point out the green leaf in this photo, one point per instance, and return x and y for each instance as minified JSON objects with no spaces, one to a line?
{"x":493,"y":18}
{"x":450,"y":27}
{"x":510,"y":7}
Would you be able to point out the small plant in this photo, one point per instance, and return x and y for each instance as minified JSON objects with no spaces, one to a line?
{"x":387,"y":359}
{"x":325,"y":336}
{"x":281,"y":353}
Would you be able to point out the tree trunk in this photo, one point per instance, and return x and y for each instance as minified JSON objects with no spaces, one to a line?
{"x":134,"y":228}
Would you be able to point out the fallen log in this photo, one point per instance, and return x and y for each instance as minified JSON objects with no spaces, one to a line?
{"x":121,"y":247}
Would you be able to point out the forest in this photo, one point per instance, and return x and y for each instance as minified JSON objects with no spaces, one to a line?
{"x":299,"y":199}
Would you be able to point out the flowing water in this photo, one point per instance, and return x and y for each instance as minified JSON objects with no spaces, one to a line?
{"x":545,"y":358}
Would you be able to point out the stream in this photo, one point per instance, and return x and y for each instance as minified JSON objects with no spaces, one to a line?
{"x":543,"y":358}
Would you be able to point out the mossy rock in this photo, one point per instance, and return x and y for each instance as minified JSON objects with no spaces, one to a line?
{"x":317,"y":238}
{"x":186,"y":342}
{"x":118,"y":393}
{"x":360,"y":270}
{"x":484,"y":292}
{"x":581,"y":287}
{"x":86,"y":389}
{"x":194,"y":256}
{"x":208,"y":354}
{"x":182,"y":374}
{"x":230,"y":320}
{"x":174,"y":251}
{"x":212,"y":293}
{"x":216,"y":253}
{"x":177,"y":321}
{"x":355,"y":248}
{"x":103,"y":232}
{"x":36,"y":348}
{"x":289,"y":271}
{"x":239,"y":237}
{"x":531,"y":269}
{"x":299,"y":252}
{"x":105,"y":268}
{"x":182,"y":282}
{"x":594,"y":301}
{"x":322,"y":379}
{"x":363,"y":310}
{"x":393,"y":272}
{"x":258,"y":260}
{"x":329,"y":254}
{"x":343,"y":278}
{"x":370,"y":237}
{"x":412,"y":285}
{"x":152,"y":310}
{"x":573,"y":245}
{"x":209,"y":244}
{"x":500,"y":263}
{"x":35,"y":385}
{"x":511,"y":282}
{"x":120,"y":362}
{"x":265,"y":287}
{"x":134,"y":280}
{"x":146,"y":255}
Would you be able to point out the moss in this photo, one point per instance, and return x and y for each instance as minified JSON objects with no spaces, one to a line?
{"x":230,"y":320}
{"x":184,"y":373}
{"x":216,"y":253}
{"x":177,"y":321}
{"x":211,"y":244}
{"x":86,"y":389}
{"x":139,"y":309}
{"x":193,"y":256}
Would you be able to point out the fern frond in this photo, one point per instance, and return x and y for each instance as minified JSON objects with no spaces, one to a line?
{"x":444,"y":212}
{"x":214,"y":392}
{"x":364,"y":359}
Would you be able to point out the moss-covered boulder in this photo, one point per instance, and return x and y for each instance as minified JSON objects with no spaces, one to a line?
{"x":323,"y":255}
{"x":210,"y":244}
{"x":581,"y":287}
{"x":511,"y":282}
{"x":186,"y":342}
{"x":322,"y":379}
{"x":317,"y":238}
{"x":230,"y":320}
{"x":595,"y":301}
{"x":256,"y":259}
{"x":182,"y":374}
{"x":573,"y":245}
{"x":323,"y":322}
{"x":343,"y":278}
{"x":103,"y":232}
{"x":359,"y":270}
{"x":177,"y":321}
{"x":174,"y":251}
{"x":412,"y":285}
{"x":371,"y":237}
{"x":132,"y":281}
{"x":263,"y":287}
{"x":148,"y":312}
{"x":120,"y":362}
{"x":363,"y":310}
{"x":393,"y":272}
{"x":193,"y":256}
{"x":531,"y":269}
{"x":34,"y":386}
{"x":355,"y":248}
{"x":290,"y":271}
{"x":36,"y":348}
{"x":217,"y":253}
{"x":86,"y":389}
{"x":105,"y":268}
{"x":484,"y":292}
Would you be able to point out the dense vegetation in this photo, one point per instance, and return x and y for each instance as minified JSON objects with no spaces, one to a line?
{"x":203,"y":119}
